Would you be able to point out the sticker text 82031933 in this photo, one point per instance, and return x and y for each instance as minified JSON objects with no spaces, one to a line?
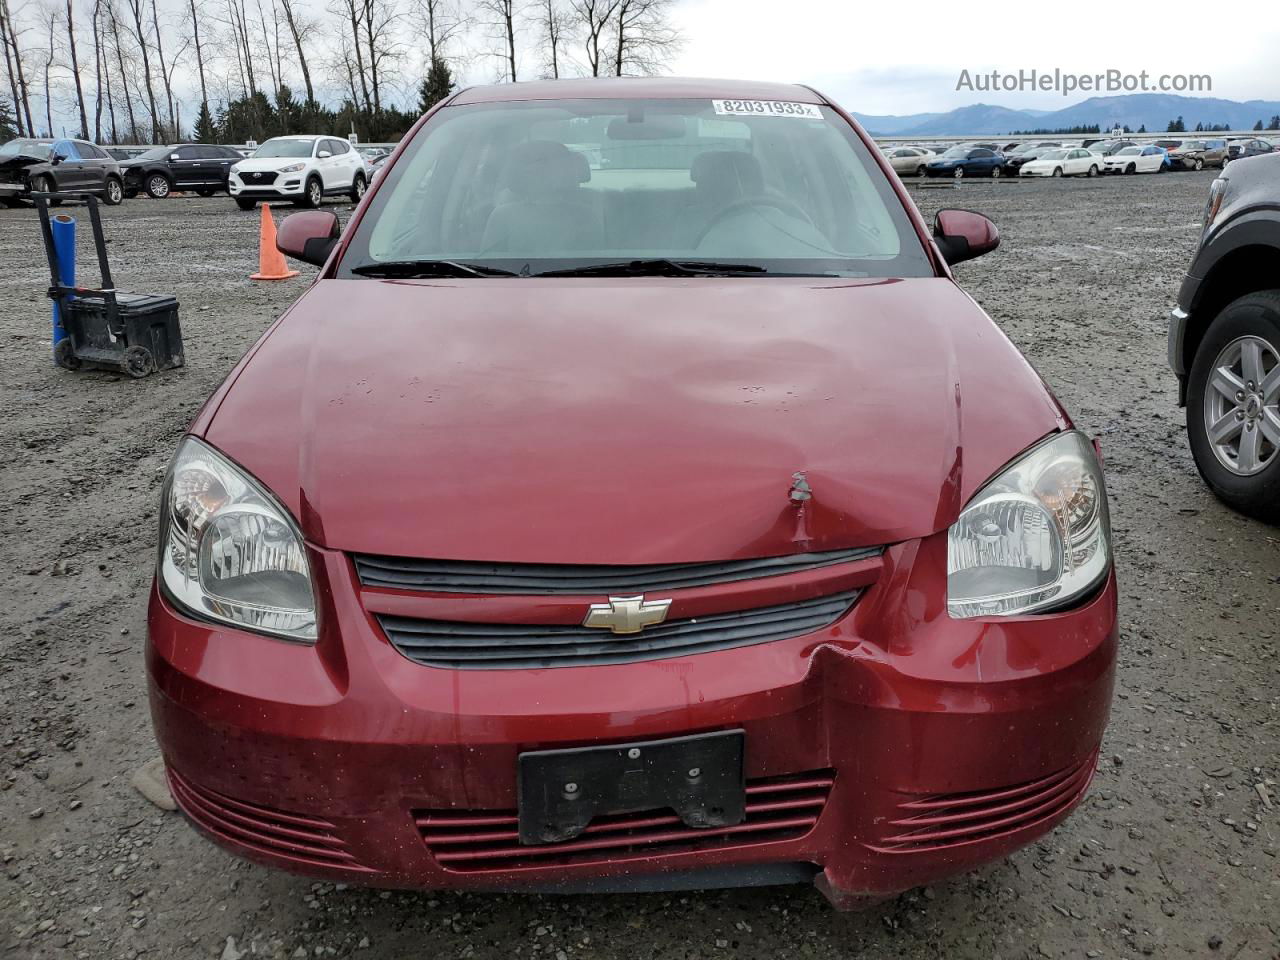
{"x":766,"y":108}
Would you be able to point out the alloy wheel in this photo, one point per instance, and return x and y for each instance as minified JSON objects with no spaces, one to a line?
{"x":1242,"y":406}
{"x":314,"y":195}
{"x":115,"y":192}
{"x":158,"y":187}
{"x":959,"y":172}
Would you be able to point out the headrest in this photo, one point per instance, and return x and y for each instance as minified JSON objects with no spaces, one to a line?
{"x":540,"y":167}
{"x":728,"y":171}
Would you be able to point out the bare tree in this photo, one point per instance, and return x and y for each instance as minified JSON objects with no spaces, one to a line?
{"x":165,"y":74}
{"x":351,"y":10}
{"x":593,"y":18}
{"x":140,"y":34}
{"x":299,"y":29}
{"x":75,"y":70}
{"x":52,"y":13}
{"x":554,"y":24}
{"x":439,"y":22}
{"x":195,"y":37}
{"x":643,"y":38}
{"x":502,"y":26}
{"x":13,"y":63}
{"x":114,"y":22}
{"x":273,"y":54}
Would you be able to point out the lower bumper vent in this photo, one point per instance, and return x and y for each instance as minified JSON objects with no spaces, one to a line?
{"x":780,"y":808}
{"x":291,"y":836}
{"x":944,"y":821}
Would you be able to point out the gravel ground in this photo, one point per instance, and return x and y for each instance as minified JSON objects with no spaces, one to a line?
{"x":1174,"y":854}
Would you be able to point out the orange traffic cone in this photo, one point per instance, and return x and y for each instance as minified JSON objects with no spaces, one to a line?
{"x":271,"y":265}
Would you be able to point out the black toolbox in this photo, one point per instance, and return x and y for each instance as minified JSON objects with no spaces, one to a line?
{"x":135,"y":333}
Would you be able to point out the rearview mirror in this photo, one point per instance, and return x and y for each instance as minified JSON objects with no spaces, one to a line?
{"x":309,"y":236}
{"x":962,"y":235}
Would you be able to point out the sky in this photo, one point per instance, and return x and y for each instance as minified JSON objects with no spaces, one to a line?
{"x":882,"y":57}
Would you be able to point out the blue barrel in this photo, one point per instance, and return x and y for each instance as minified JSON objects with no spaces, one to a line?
{"x":64,"y":245}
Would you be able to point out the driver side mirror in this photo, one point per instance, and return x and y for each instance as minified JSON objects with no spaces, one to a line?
{"x":56,"y":159}
{"x":309,"y":236}
{"x":962,"y":235}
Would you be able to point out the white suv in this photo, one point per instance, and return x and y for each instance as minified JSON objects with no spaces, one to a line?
{"x":302,"y":169}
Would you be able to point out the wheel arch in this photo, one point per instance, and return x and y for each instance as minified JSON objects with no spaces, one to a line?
{"x":1240,"y":271}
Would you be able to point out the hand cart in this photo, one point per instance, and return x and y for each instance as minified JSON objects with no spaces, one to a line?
{"x":134,"y":333}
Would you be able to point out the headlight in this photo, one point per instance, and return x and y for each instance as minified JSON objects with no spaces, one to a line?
{"x":293,"y":168}
{"x":1037,"y":536}
{"x":229,"y":552}
{"x":235,"y":168}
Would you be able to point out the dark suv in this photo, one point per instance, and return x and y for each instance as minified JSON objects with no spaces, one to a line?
{"x":1224,"y":339}
{"x":201,"y":167}
{"x":68,"y":166}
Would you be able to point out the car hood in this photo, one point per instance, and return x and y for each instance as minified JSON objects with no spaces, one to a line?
{"x":267,"y":164}
{"x":627,"y":421}
{"x":18,"y":163}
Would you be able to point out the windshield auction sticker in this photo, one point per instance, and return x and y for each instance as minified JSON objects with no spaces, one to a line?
{"x":766,"y":108}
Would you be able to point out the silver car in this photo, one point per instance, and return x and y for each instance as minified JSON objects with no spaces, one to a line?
{"x":909,"y":160}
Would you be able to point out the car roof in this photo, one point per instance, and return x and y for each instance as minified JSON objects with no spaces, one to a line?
{"x":639,"y":88}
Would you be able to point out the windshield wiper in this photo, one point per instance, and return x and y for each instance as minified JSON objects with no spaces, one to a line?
{"x":415,"y":269}
{"x":657,"y":267}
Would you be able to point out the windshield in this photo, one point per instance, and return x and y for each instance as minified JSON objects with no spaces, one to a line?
{"x":1129,"y":152}
{"x":958,"y":153}
{"x":29,"y":148}
{"x":1052,"y":155}
{"x":155,"y":153}
{"x":285,"y":148}
{"x":540,"y":185}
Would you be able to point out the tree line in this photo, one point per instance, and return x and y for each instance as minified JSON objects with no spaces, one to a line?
{"x":132,"y":71}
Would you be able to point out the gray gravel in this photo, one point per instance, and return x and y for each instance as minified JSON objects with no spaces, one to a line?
{"x":1173,"y":855}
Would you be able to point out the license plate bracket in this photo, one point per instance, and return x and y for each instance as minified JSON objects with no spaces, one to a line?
{"x":699,"y":777}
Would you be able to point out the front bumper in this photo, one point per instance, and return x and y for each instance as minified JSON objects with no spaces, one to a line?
{"x":890,"y":750}
{"x":285,"y":185}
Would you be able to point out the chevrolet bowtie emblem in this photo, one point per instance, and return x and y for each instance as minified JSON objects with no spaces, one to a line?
{"x":626,"y":614}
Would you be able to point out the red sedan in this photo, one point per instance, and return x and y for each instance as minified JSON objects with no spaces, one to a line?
{"x":635,"y":501}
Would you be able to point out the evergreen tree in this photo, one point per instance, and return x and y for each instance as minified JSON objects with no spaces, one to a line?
{"x":206,"y":131}
{"x":1177,"y":126}
{"x":1258,"y":125}
{"x":1275,"y":123}
{"x":436,"y":85}
{"x":1200,"y":128}
{"x":8,"y":125}
{"x":288,"y":113}
{"x":1143,"y":128}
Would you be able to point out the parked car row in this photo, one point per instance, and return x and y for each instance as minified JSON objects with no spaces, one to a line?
{"x":1055,"y":158}
{"x":301,"y":169}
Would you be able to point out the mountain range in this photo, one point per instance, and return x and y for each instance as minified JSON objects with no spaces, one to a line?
{"x":1131,"y":111}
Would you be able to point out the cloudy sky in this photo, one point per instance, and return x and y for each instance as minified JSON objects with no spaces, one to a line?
{"x":905,"y":57}
{"x":875,"y":57}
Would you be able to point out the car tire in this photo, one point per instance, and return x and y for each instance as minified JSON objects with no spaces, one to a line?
{"x":995,"y":173}
{"x":922,"y":171}
{"x":245,"y":204}
{"x":1198,"y":164}
{"x":1131,"y":168}
{"x":959,"y":173}
{"x":158,"y":186}
{"x":358,"y":187}
{"x":44,"y":184}
{"x":1057,"y":171}
{"x":312,"y":194}
{"x":1093,"y":170}
{"x":1252,"y":320}
{"x":113,"y":192}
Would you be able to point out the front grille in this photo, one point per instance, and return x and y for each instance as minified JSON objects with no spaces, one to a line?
{"x":257,"y":179}
{"x":468,"y":576}
{"x":944,"y":821}
{"x":291,"y":836}
{"x":779,"y":808}
{"x":487,"y":646}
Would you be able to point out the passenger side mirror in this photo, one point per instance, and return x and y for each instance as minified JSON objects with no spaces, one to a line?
{"x":962,"y":235}
{"x":56,"y":159}
{"x":324,"y":153}
{"x":309,"y":236}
